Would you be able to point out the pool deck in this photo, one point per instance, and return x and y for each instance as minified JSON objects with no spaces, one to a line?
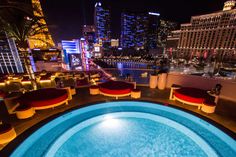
{"x":224,"y":115}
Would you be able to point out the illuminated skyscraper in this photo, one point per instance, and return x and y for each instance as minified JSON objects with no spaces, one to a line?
{"x":70,"y":47}
{"x":75,"y":54}
{"x":102,"y":23}
{"x":153,"y":20}
{"x":128,"y":28}
{"x":45,"y":35}
{"x":10,"y":61}
{"x":139,"y":30}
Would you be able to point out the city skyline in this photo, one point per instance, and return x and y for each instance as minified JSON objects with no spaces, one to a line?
{"x":71,"y":25}
{"x":126,"y":78}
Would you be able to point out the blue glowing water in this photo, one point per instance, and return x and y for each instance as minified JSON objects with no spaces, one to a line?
{"x":127,"y":128}
{"x":129,"y":137}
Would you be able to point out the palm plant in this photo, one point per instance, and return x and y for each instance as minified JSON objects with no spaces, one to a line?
{"x":19,"y":22}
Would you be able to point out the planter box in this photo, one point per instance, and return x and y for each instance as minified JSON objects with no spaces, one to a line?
{"x":153,"y":81}
{"x":162,"y":81}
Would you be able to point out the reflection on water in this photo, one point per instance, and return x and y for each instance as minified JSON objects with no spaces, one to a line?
{"x":127,"y":68}
{"x":139,"y":72}
{"x":135,"y":65}
{"x":135,"y":75}
{"x":133,"y":72}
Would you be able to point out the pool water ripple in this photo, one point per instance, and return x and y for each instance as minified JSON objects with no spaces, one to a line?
{"x":176,"y":133}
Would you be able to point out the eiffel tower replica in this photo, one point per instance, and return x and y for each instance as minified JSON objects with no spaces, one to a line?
{"x":45,"y":35}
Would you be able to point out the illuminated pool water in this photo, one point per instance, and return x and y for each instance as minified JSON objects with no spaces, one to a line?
{"x":127,"y":128}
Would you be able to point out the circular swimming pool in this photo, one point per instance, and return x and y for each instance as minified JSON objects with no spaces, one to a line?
{"x":127,"y":128}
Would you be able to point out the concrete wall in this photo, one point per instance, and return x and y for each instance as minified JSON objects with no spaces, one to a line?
{"x":228,"y":86}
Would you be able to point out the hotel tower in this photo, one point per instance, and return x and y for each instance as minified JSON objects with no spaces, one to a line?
{"x":210,"y":34}
{"x":102,"y":23}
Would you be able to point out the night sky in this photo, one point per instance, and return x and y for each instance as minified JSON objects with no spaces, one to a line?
{"x":66,"y":17}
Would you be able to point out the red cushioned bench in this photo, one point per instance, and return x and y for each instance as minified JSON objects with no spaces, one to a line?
{"x":44,"y":98}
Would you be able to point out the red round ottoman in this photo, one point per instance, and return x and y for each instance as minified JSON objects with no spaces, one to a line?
{"x":208,"y":106}
{"x":94,"y":90}
{"x":136,"y":93}
{"x":7,"y":133}
{"x":24,"y":111}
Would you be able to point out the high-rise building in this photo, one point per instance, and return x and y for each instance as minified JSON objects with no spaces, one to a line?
{"x":210,"y":34}
{"x":42,"y":40}
{"x":70,"y":49}
{"x":128,"y":30}
{"x":102,"y":23}
{"x":89,"y":33}
{"x":164,"y":30}
{"x":139,"y":30}
{"x":172,"y":43}
{"x":10,"y":61}
{"x":75,"y":54}
{"x":153,"y":19}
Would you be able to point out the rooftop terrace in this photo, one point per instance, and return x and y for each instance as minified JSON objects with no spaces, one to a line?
{"x":224,"y":115}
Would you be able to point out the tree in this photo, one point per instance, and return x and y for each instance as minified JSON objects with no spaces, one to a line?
{"x":19,"y":22}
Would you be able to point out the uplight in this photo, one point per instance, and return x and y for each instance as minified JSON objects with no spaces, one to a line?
{"x":45,"y":81}
{"x":111,"y":123}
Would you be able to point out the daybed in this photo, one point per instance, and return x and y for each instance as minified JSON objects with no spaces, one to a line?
{"x":116,"y":88}
{"x":44,"y":98}
{"x":191,"y":96}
